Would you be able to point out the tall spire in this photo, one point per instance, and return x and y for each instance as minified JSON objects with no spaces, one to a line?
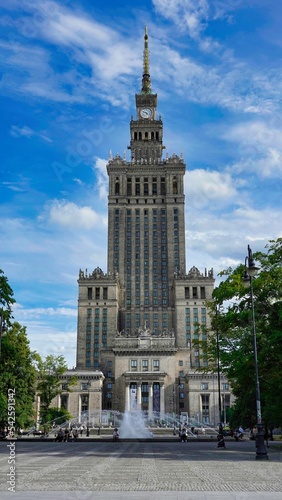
{"x":146,"y":81}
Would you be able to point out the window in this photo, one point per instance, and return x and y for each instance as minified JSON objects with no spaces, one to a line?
{"x":205,"y":386}
{"x":129,"y":187}
{"x":65,"y":387}
{"x":203,"y":292}
{"x":225,"y":387}
{"x":195,"y":295}
{"x":105,"y":292}
{"x":187,"y":292}
{"x":84,"y":386}
{"x":180,"y":362}
{"x":137,"y":186}
{"x":64,"y":401}
{"x":205,"y":407}
{"x":181,"y":373}
{"x":156,"y":365}
{"x":133,"y":364}
{"x":145,"y":365}
{"x":97,"y":293}
{"x":89,"y":293}
{"x":146,"y":186}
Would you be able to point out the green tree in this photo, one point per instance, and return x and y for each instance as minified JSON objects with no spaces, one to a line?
{"x":231,"y":319}
{"x":49,"y":383}
{"x":6,"y":301}
{"x":17,"y":361}
{"x":6,"y":296}
{"x":18,"y":376}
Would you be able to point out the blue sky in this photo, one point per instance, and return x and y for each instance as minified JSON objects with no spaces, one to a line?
{"x":70,"y":71}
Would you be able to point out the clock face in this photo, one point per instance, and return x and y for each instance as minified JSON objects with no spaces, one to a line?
{"x":146,"y":113}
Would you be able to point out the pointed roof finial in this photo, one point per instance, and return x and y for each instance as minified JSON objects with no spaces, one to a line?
{"x":146,"y":81}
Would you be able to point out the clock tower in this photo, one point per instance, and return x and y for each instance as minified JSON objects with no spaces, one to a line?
{"x":146,"y":132}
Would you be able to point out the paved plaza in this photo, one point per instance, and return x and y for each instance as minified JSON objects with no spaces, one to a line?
{"x":140,"y":470}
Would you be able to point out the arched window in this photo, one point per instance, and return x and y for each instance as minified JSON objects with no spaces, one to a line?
{"x":117,"y":187}
{"x":174,"y":186}
{"x":140,"y":135}
{"x":152,"y":136}
{"x":146,"y":135}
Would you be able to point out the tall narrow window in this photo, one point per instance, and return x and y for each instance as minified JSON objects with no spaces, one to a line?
{"x":146,"y":186}
{"x":117,"y":187}
{"x":154,"y":186}
{"x":205,"y":407}
{"x":89,"y":293}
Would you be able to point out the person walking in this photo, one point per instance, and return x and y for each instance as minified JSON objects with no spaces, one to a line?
{"x":115,"y":435}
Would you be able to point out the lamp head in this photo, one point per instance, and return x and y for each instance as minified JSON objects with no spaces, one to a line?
{"x":252,"y":268}
{"x":246,"y":279}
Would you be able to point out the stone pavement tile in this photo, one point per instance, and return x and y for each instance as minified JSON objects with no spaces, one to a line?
{"x":148,"y":495}
{"x":141,"y":471}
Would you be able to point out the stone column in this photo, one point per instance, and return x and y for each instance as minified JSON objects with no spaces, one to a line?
{"x":150,"y":408}
{"x":127,"y":397}
{"x":139,"y":396}
{"x":162,"y":400}
{"x":79,"y":406}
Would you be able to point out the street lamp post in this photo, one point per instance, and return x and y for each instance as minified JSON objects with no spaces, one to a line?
{"x":2,"y":328}
{"x":220,"y":436}
{"x":250,"y":271}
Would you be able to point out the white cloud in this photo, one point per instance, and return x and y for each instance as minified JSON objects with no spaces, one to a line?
{"x":211,"y":189}
{"x":213,"y":238}
{"x":27,"y":132}
{"x":102,"y":177}
{"x":21,"y":131}
{"x":69,"y":214}
{"x":37,"y":312}
{"x":259,"y":146}
{"x":189,"y":14}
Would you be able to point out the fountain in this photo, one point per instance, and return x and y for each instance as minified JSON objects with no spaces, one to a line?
{"x":133,"y":426}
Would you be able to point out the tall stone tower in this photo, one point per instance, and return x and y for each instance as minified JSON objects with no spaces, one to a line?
{"x":136,"y":322}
